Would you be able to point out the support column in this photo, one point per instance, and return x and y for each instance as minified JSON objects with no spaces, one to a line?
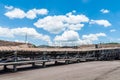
{"x":15,"y":60}
{"x":33,"y":58}
{"x":44,"y":58}
{"x":5,"y":67}
{"x":66,"y":57}
{"x":67,"y":62}
{"x":56,"y":62}
{"x":43,"y":65}
{"x":14,"y":67}
{"x":33,"y":64}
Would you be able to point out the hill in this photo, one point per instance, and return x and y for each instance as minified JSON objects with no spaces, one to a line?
{"x":10,"y":43}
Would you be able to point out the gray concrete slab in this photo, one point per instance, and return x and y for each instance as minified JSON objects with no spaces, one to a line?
{"x":97,"y":70}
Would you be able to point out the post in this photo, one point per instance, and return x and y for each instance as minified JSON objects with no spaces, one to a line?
{"x":43,"y":65}
{"x":66,"y":57}
{"x":44,"y":58}
{"x":67,"y":61}
{"x":33,"y":58}
{"x":14,"y":68}
{"x":33,"y":64}
{"x":56,"y":62}
{"x":15,"y":60}
{"x":5,"y":67}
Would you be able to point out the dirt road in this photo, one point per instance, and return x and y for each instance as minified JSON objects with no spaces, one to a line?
{"x":107,"y":70}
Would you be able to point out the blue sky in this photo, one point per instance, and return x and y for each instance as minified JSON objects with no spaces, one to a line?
{"x":60,"y":22}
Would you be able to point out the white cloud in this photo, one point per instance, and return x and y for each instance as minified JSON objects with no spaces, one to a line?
{"x":104,"y":23}
{"x":31,"y":14}
{"x":72,"y":38}
{"x":75,"y":19}
{"x":19,"y":13}
{"x":15,"y":13}
{"x":57,"y":24}
{"x":68,"y":36}
{"x":104,"y":11}
{"x":5,"y":32}
{"x":93,"y":37}
{"x":53,"y":24}
{"x":75,"y":26}
{"x":9,"y":7}
{"x":90,"y":38}
{"x":31,"y":32}
{"x":74,"y":11}
{"x":112,"y":30}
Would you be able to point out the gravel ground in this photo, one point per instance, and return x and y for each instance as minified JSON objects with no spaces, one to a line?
{"x":97,"y":70}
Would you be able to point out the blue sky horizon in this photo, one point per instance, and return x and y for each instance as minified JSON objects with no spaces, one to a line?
{"x":60,"y":22}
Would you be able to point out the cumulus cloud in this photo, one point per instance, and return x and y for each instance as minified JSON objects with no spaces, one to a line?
{"x":19,"y":13}
{"x":31,"y":14}
{"x":8,"y":7}
{"x":5,"y":32}
{"x":16,"y":13}
{"x":56,"y":24}
{"x":31,"y":32}
{"x":104,"y":11}
{"x":68,"y":36}
{"x":104,"y":23}
{"x":92,"y":37}
{"x":112,"y":30}
{"x":72,"y":38}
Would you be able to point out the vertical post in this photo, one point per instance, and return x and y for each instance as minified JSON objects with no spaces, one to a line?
{"x":33,"y":64}
{"x":66,"y":61}
{"x":44,"y":58}
{"x":15,"y":60}
{"x":14,"y":68}
{"x":33,"y":58}
{"x":94,"y":55}
{"x":5,"y":67}
{"x":43,"y":65}
{"x":78,"y":57}
{"x":56,"y":62}
{"x":66,"y":57}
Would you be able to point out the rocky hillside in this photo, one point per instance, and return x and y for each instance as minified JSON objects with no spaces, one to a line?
{"x":9,"y":43}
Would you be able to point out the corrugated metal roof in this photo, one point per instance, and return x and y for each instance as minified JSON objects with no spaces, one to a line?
{"x":11,"y":48}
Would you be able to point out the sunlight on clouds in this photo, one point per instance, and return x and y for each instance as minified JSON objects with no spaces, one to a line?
{"x":93,"y":37}
{"x":31,"y":14}
{"x":9,"y":7}
{"x":19,"y":13}
{"x":68,"y":36}
{"x":5,"y":32}
{"x":15,"y":13}
{"x":68,"y":24}
{"x":31,"y":32}
{"x":58,"y":23}
{"x":104,"y":11}
{"x":104,"y":23}
{"x":72,"y":38}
